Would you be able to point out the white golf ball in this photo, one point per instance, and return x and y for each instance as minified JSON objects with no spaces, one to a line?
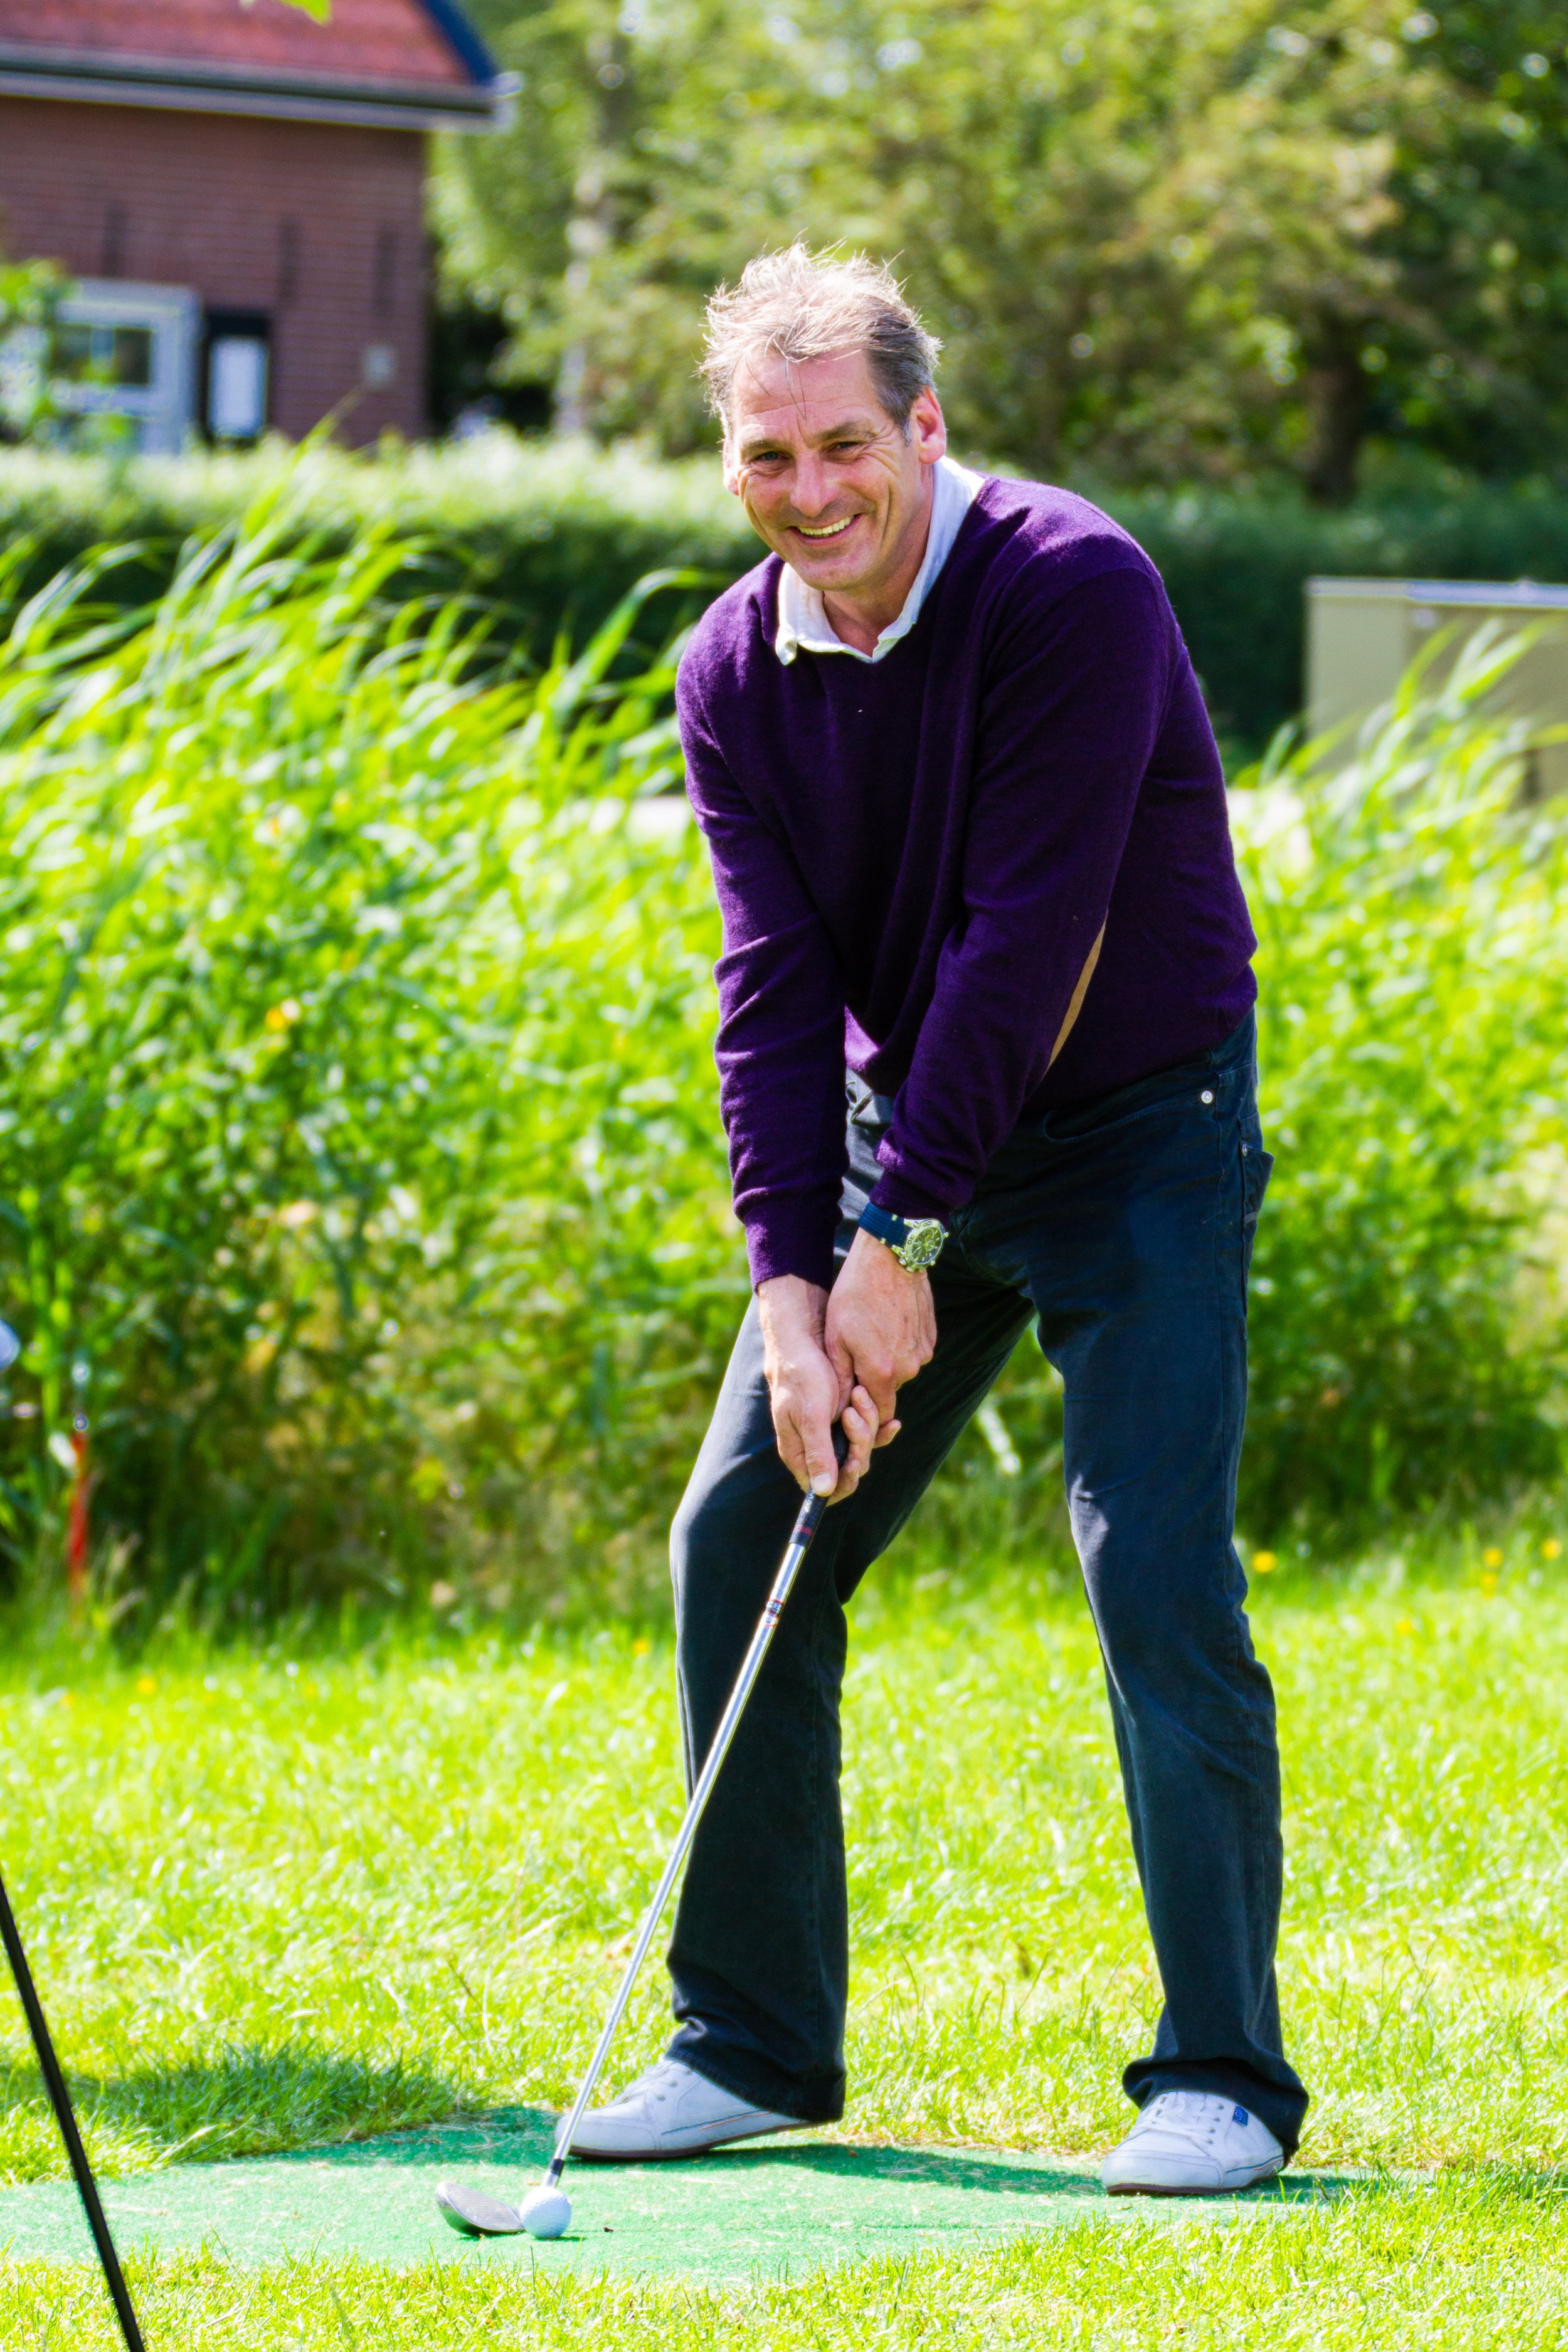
{"x":546,"y":2212}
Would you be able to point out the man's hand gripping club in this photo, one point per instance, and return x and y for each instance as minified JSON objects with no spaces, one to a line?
{"x":843,"y":1356}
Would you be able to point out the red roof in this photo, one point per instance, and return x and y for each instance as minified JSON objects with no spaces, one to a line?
{"x":380,"y":40}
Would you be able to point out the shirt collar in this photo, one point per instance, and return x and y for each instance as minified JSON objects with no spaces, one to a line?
{"x":804,"y":625}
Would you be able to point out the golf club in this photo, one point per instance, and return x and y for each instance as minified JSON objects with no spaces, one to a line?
{"x":546,"y":2212}
{"x":65,"y":2115}
{"x":49,"y":2064}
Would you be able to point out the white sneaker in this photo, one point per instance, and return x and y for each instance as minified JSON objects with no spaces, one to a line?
{"x":672,"y":2111}
{"x":1192,"y":2144}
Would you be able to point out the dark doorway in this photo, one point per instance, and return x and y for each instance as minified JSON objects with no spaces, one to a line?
{"x":236,"y":375}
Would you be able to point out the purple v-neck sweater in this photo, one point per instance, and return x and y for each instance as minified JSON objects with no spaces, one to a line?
{"x":915,"y":857}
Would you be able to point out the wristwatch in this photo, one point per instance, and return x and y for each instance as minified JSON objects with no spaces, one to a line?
{"x":915,"y":1242}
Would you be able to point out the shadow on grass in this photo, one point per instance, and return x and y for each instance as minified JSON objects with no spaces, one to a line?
{"x":245,"y":2101}
{"x":523,"y":2137}
{"x":306,"y":2106}
{"x":1044,"y":2176}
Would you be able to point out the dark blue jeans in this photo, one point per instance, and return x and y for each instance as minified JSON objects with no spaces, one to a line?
{"x":1125,"y":1228}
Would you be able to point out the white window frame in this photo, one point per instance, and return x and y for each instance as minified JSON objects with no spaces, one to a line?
{"x":164,"y":412}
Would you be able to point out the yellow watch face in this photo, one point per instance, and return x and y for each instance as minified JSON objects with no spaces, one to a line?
{"x":921,"y":1244}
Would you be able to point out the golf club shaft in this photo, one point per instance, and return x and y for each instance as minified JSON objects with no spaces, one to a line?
{"x":806,"y":1526}
{"x":65,"y":2115}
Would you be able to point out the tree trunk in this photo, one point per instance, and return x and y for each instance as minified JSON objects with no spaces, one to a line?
{"x":1337,"y":401}
{"x":587,"y":234}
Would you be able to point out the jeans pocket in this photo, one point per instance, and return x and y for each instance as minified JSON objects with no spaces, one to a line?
{"x":1217,"y":1084}
{"x":1189,"y":1086}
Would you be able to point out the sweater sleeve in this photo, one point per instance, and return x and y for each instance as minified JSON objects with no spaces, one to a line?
{"x":1065,"y":735}
{"x":780,"y":1047}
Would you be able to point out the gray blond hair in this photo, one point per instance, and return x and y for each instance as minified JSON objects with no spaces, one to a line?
{"x":800,"y":305}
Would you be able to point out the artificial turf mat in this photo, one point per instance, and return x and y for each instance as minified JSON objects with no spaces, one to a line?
{"x":731,"y":2216}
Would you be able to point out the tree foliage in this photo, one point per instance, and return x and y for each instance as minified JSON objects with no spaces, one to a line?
{"x":1187,"y":238}
{"x":30,"y":292}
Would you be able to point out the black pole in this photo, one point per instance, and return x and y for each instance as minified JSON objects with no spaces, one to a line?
{"x":65,"y":2115}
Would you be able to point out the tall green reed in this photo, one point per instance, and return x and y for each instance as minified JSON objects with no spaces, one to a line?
{"x":1409,"y":1315}
{"x":359,"y":1172}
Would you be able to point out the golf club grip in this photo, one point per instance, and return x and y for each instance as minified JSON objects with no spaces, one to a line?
{"x":815,"y":1505}
{"x":65,"y":2115}
{"x":809,"y":1518}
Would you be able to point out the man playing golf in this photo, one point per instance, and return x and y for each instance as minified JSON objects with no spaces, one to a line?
{"x":968,"y":832}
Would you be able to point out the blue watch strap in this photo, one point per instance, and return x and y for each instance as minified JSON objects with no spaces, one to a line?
{"x":915,"y":1242}
{"x":883,"y":1226}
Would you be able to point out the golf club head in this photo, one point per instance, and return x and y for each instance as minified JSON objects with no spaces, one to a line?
{"x":474,"y":2214}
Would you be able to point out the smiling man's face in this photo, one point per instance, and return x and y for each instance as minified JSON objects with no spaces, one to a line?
{"x":829,"y":480}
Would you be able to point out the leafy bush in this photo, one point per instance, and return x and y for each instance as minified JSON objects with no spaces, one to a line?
{"x":1409,"y":1328}
{"x":359,"y":1172}
{"x":552,"y":534}
{"x":30,"y":293}
{"x":1236,"y":568}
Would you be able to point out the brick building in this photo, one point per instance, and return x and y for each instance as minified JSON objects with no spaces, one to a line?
{"x":239,"y":192}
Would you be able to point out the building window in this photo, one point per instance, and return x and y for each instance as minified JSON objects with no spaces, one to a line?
{"x":123,"y":350}
{"x":237,"y":369}
{"x":103,"y":354}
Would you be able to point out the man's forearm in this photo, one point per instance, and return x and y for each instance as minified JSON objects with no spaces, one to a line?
{"x":792,"y":1311}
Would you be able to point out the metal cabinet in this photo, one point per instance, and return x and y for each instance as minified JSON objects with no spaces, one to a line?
{"x":1363,"y":634}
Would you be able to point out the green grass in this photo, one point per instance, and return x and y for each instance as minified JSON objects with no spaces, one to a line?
{"x":260,"y":1920}
{"x":1459,"y":2262}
